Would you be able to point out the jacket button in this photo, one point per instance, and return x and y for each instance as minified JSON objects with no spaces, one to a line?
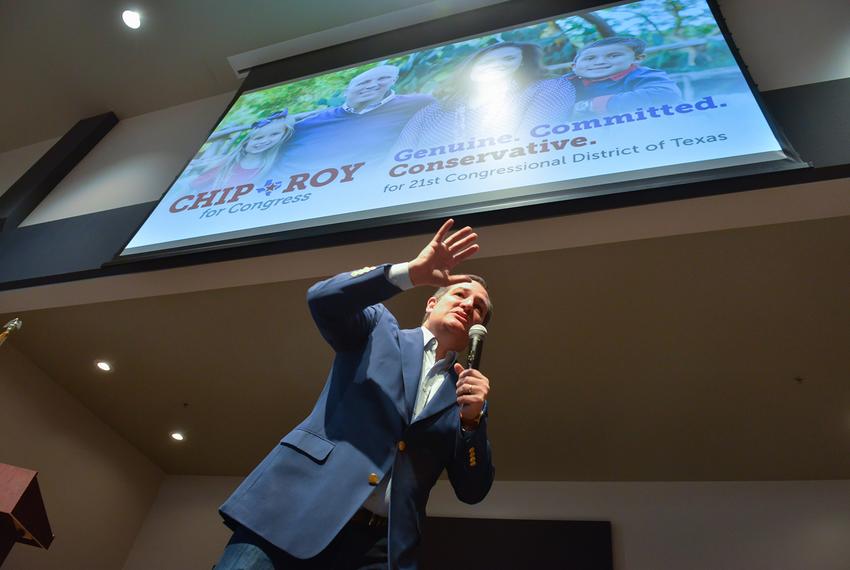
{"x":373,"y":479}
{"x":402,"y":445}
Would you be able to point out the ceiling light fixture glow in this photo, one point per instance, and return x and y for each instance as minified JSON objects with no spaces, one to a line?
{"x":132,"y":19}
{"x":104,"y":365}
{"x":177,"y":436}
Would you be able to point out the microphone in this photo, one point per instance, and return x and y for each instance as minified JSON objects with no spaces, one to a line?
{"x":476,"y":346}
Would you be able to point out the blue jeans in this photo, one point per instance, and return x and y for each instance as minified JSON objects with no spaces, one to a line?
{"x":355,"y":547}
{"x":244,"y":556}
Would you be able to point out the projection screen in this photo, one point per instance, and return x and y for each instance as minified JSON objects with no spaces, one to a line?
{"x":589,"y":103}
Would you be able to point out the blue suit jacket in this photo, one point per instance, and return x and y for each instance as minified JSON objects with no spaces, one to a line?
{"x":308,"y":487}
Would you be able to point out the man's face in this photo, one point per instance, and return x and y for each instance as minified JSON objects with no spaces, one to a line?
{"x":602,"y":61}
{"x":370,"y":86}
{"x":451,"y":316}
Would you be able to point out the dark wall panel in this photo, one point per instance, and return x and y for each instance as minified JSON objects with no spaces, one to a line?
{"x":68,"y":249}
{"x":816,"y":120}
{"x":461,"y":544}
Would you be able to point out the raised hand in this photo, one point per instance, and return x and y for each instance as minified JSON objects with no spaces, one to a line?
{"x":434,"y":263}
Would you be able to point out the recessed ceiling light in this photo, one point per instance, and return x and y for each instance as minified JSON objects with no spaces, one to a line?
{"x":177,"y":436}
{"x":132,"y":19}
{"x":104,"y":365}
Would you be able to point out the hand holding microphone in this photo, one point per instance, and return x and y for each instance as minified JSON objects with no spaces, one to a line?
{"x":472,"y":386}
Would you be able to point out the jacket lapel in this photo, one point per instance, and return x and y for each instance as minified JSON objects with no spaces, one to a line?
{"x":412,"y":343}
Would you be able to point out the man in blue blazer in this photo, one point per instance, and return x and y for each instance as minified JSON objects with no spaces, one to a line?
{"x":347,"y":488}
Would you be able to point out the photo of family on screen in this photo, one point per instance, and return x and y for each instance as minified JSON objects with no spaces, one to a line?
{"x":642,"y":88}
{"x":590,"y":65}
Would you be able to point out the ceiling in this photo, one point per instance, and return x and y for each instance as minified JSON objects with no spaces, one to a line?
{"x":710,"y":356}
{"x":69,"y":60}
{"x":72,"y":60}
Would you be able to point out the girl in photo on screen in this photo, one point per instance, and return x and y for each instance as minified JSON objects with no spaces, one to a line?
{"x":501,"y":89}
{"x":254,"y":157}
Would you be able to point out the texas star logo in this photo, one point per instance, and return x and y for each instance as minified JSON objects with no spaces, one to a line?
{"x":269,"y":187}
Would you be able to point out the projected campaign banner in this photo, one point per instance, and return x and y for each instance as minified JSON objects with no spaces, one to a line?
{"x":546,"y":111}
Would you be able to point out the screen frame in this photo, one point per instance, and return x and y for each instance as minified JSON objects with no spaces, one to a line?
{"x":489,"y":19}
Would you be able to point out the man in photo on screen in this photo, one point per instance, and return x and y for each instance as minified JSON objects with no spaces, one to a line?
{"x":348,"y":487}
{"x":362,"y":129}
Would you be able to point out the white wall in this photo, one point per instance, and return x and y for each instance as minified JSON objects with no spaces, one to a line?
{"x":183,"y":529}
{"x":784,"y":525}
{"x":135,"y":162}
{"x":97,"y":487}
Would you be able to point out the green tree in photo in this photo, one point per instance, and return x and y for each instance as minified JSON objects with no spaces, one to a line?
{"x":681,"y":35}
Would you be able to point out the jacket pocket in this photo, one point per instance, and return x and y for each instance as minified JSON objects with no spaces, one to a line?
{"x":315,"y":447}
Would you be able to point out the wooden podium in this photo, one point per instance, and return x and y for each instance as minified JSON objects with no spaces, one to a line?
{"x":22,"y":515}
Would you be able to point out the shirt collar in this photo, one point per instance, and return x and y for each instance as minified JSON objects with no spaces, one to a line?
{"x":371,"y":107}
{"x":427,"y":336}
{"x":430,"y":345}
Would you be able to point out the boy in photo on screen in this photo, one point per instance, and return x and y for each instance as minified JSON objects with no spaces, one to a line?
{"x":608,"y":78}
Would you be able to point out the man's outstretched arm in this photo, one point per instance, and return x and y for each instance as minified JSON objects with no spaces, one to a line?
{"x":345,"y":308}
